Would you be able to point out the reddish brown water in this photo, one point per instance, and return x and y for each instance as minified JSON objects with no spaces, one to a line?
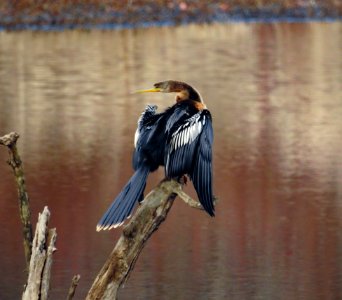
{"x":275,"y":92}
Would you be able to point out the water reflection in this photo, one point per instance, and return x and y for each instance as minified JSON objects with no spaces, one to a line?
{"x":275,"y":95}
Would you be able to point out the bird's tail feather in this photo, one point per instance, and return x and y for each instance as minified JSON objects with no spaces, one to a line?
{"x":123,"y":205}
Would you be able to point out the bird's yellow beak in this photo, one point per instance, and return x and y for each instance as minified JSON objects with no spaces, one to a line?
{"x":154,"y":90}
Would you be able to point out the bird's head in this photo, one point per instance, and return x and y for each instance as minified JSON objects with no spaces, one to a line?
{"x":183,"y":90}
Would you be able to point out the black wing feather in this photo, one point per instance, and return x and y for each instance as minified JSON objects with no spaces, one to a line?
{"x":182,"y":145}
{"x":202,"y":172}
{"x":148,"y":127}
{"x":189,"y":151}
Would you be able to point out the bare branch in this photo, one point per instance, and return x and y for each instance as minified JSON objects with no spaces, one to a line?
{"x":45,"y":286}
{"x":150,"y":214}
{"x":40,"y":263}
{"x":73,"y":286}
{"x":10,"y":141}
{"x":188,"y":200}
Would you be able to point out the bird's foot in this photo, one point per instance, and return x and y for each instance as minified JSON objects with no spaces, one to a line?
{"x":183,"y":179}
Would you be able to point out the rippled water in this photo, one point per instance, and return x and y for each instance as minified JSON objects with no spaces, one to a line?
{"x":275,"y":92}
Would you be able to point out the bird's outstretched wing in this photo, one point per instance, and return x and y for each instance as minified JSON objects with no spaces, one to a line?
{"x":144,"y":121}
{"x":189,"y":151}
{"x":148,"y":127}
{"x":201,"y":175}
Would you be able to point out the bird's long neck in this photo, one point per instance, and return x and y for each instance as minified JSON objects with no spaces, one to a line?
{"x":189,"y":93}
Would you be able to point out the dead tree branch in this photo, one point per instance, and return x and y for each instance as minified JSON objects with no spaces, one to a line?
{"x":43,"y":246}
{"x":10,"y":141}
{"x":45,"y":286}
{"x":150,"y":214}
{"x":188,"y":200}
{"x":74,"y":284}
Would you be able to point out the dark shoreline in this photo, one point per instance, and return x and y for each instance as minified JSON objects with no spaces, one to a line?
{"x":86,"y":16}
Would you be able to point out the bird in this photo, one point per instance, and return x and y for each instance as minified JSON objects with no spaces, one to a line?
{"x":180,"y":139}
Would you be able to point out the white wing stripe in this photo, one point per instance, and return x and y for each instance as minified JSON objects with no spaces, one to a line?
{"x":136,"y":137}
{"x":184,"y":137}
{"x":187,"y":133}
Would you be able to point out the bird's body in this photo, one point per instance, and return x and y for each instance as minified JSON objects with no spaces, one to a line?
{"x":180,"y":139}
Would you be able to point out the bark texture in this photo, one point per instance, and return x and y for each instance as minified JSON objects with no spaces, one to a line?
{"x":43,"y":246}
{"x":74,"y":284}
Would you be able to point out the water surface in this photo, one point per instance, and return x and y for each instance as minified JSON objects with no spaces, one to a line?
{"x":275,"y":93}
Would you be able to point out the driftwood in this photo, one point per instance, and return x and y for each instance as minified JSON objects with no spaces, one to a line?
{"x":43,"y":246}
{"x":10,"y":141}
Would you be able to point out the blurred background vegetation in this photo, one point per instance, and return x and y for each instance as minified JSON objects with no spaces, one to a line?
{"x":19,"y":14}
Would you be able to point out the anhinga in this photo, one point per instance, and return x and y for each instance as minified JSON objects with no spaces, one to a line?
{"x":180,"y":139}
